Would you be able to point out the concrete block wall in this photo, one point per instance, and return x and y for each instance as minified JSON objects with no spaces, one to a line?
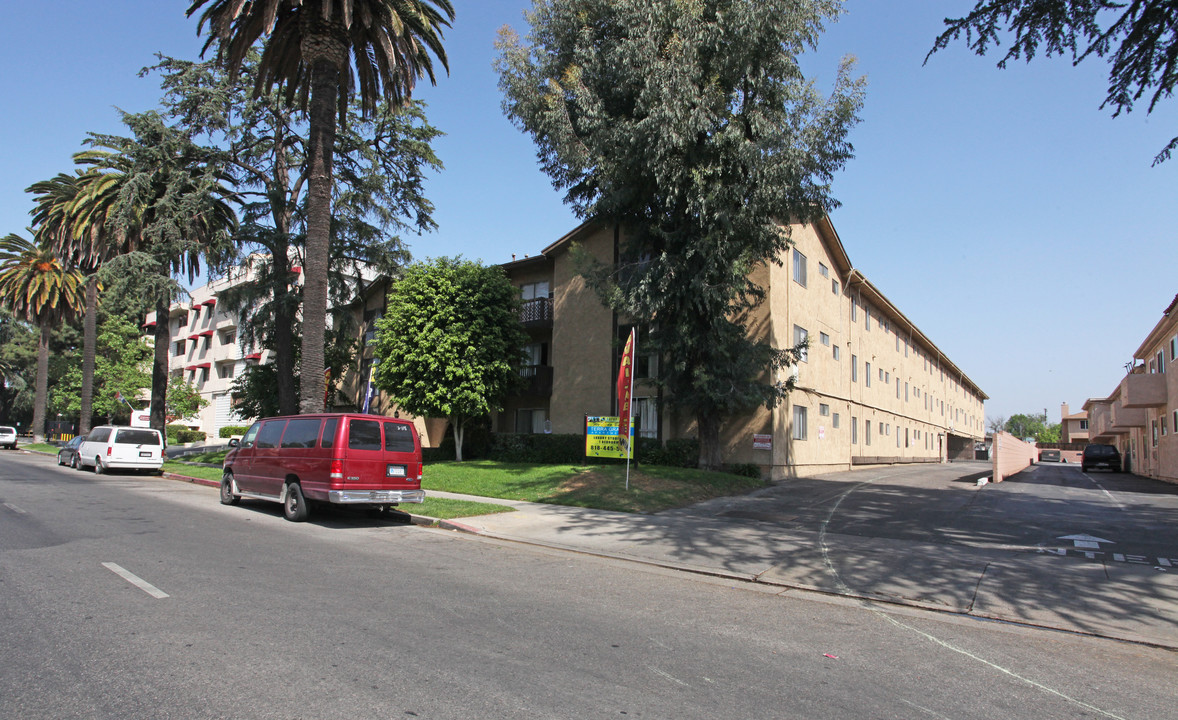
{"x":1011,"y":455}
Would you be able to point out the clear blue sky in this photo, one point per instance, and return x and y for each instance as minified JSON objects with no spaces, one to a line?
{"x":1019,"y":226}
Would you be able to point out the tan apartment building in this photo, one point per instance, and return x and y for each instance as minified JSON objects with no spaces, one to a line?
{"x":1073,"y":427}
{"x":1140,"y":416}
{"x":873,"y":389}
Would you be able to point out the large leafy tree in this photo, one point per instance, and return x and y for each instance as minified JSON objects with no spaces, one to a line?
{"x":18,"y":368}
{"x":450,"y":342}
{"x":1138,"y":38}
{"x":381,"y":162}
{"x":174,"y":202}
{"x":324,"y":52}
{"x":122,"y":367}
{"x":34,"y":285}
{"x":690,"y":126}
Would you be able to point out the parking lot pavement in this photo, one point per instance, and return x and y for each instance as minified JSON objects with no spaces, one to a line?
{"x":1052,"y":546}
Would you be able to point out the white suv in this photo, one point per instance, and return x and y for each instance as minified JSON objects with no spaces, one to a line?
{"x":113,"y":447}
{"x":8,"y":437}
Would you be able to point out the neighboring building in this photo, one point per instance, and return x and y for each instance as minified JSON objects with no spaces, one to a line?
{"x":1073,"y":427}
{"x":1140,"y":416}
{"x":873,"y":388}
{"x":205,"y":351}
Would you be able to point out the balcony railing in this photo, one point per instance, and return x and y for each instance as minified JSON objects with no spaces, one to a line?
{"x":537,"y":380}
{"x":536,"y":313}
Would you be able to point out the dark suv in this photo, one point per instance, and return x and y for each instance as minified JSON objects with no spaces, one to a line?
{"x":1102,"y":456}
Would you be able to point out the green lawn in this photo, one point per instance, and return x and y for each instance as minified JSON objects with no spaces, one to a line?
{"x":652,"y":487}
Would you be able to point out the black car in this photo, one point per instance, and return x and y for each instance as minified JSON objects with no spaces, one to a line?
{"x":68,"y":454}
{"x":1101,"y":456}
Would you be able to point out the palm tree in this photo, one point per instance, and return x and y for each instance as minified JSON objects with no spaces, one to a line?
{"x":34,"y":285}
{"x":170,"y":202}
{"x":70,"y":215}
{"x":312,"y":49}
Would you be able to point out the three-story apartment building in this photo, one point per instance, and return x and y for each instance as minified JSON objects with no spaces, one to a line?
{"x":872,"y":389}
{"x":1140,"y":416}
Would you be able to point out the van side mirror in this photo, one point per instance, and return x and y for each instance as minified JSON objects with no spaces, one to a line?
{"x":234,"y":442}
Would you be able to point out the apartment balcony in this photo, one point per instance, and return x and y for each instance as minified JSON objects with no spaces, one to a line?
{"x":1124,"y":419}
{"x":537,"y":380}
{"x":536,"y":313}
{"x":1143,"y":390}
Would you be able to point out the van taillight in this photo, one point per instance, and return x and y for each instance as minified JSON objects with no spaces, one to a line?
{"x":108,"y":450}
{"x":337,"y":469}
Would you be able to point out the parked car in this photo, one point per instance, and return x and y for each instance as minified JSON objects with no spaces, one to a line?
{"x":1101,"y":456}
{"x":114,"y":447}
{"x":348,"y":458}
{"x":68,"y":454}
{"x":7,"y":437}
{"x":1049,"y":456}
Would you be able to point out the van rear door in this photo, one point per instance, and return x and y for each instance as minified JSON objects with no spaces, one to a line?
{"x":136,"y":445}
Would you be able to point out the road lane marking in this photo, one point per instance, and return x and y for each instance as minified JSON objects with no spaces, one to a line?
{"x":138,"y":582}
{"x":846,"y":590}
{"x":15,"y":509}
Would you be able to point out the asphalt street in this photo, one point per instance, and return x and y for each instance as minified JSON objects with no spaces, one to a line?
{"x":136,"y":597}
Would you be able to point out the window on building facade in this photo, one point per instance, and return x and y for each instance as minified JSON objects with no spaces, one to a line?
{"x":867,"y":374}
{"x":854,"y":368}
{"x":905,"y":391}
{"x":866,"y":432}
{"x":530,"y":421}
{"x":228,"y":338}
{"x":646,"y":417}
{"x":1083,"y":424}
{"x":897,"y":389}
{"x":824,"y":338}
{"x":854,"y":430}
{"x":866,"y":316}
{"x":1173,"y":348}
{"x":800,"y":337}
{"x":799,"y":268}
{"x":834,"y":286}
{"x":1161,"y":362}
{"x":836,"y":352}
{"x":823,"y":270}
{"x":534,"y":291}
{"x":834,"y":421}
{"x":799,"y":422}
{"x":823,"y":409}
{"x":1163,"y":423}
{"x":225,"y":371}
{"x":1153,"y":427}
{"x":179,"y":350}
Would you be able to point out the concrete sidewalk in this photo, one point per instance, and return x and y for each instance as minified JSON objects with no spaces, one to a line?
{"x":1029,"y":585}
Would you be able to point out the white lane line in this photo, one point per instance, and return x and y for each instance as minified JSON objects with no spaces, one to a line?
{"x":15,"y":509}
{"x":138,"y":582}
{"x":1106,"y":492}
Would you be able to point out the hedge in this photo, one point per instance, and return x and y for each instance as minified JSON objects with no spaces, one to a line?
{"x":549,"y":449}
{"x":230,"y":430}
{"x":178,"y":435}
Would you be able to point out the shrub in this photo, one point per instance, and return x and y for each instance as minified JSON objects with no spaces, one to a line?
{"x":749,"y":470}
{"x":545,"y":449}
{"x":178,"y":435}
{"x":230,"y":430}
{"x":682,"y":452}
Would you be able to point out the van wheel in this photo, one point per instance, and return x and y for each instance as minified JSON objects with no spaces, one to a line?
{"x":99,"y":468}
{"x":295,"y":508}
{"x":227,"y":496}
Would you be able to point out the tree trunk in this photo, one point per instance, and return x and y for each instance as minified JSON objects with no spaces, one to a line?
{"x":159,"y":366}
{"x":711,"y":456}
{"x":324,"y":94}
{"x":284,"y":322}
{"x":458,"y":432}
{"x":89,"y":341}
{"x":41,"y":398}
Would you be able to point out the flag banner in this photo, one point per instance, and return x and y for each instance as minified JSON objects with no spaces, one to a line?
{"x":625,"y":385}
{"x":601,"y":438}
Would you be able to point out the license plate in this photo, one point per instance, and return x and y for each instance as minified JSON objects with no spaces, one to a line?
{"x":395,"y":471}
{"x":145,"y":454}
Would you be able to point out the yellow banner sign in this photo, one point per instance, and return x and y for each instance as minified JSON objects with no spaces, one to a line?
{"x":601,"y":438}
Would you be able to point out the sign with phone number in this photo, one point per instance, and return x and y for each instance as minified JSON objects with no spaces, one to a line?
{"x":601,"y":437}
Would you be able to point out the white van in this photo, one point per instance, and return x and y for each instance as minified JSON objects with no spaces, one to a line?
{"x":113,"y":447}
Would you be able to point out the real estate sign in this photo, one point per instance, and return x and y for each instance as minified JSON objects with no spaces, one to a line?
{"x":601,"y":438}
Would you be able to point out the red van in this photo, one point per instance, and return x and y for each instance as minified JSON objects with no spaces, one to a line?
{"x":347,"y":458}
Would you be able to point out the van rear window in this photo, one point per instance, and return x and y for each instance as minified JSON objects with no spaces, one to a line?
{"x":363,"y":435}
{"x":137,"y":437}
{"x":398,"y":437}
{"x":301,"y":434}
